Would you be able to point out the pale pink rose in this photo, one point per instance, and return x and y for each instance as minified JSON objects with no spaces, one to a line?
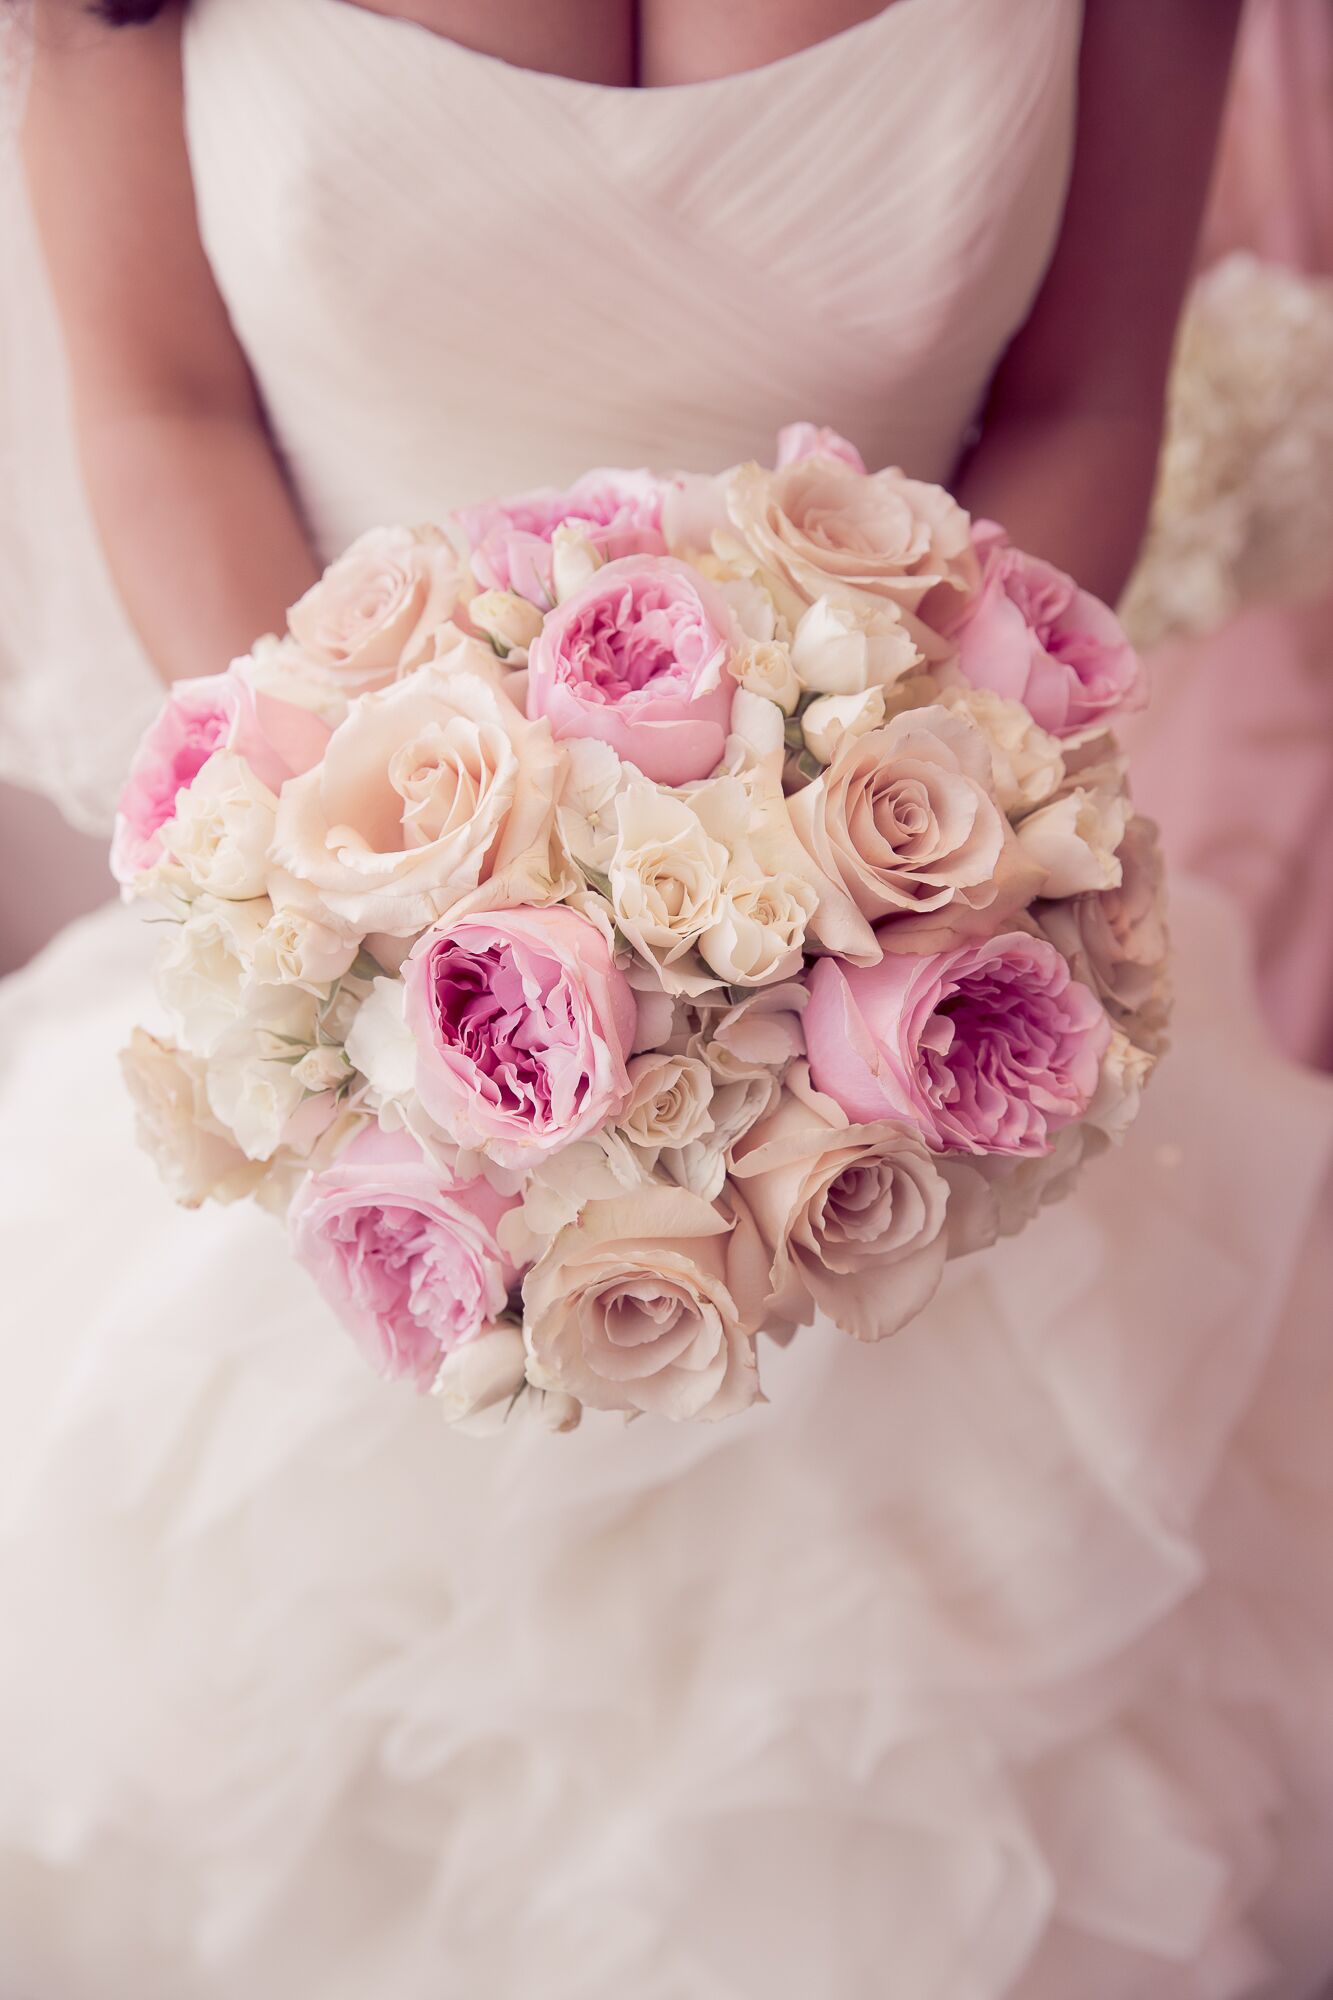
{"x":902,"y":822}
{"x":873,"y":544}
{"x":410,"y":1261}
{"x":523,"y":1028}
{"x":1032,"y":635}
{"x":375,"y":612}
{"x":617,"y":513}
{"x":798,"y":441}
{"x":987,"y":1049}
{"x":640,"y":658}
{"x":434,"y":794}
{"x":852,"y":1216}
{"x":1116,"y":940}
{"x":216,"y":712}
{"x":649,"y":1301}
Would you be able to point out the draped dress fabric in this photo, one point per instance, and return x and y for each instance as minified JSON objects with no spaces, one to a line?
{"x":994,"y":1660}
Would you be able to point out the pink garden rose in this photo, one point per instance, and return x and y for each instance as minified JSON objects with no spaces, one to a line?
{"x":987,"y":1049}
{"x":618,"y":513}
{"x":798,"y":441}
{"x":1032,"y":635}
{"x":523,"y":1028}
{"x":216,"y":712}
{"x":640,"y":658}
{"x":409,"y":1261}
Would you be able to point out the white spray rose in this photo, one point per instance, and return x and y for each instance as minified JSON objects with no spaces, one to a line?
{"x":222,"y":832}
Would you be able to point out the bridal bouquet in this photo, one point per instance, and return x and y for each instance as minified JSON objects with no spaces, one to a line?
{"x":614,"y":924}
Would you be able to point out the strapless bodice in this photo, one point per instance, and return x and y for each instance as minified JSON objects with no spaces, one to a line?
{"x":454,"y":277}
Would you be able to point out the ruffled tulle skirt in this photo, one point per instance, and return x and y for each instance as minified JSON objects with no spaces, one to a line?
{"x":994,"y":1660}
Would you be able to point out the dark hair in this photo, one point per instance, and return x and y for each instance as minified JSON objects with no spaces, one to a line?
{"x":128,"y":13}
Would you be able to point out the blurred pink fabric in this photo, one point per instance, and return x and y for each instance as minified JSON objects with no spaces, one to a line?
{"x":1236,"y":761}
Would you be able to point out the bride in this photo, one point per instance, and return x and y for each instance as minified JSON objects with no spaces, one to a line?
{"x":995,"y":1660}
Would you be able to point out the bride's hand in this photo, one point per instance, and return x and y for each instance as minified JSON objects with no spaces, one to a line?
{"x":1068,"y":448}
{"x":198,"y":525}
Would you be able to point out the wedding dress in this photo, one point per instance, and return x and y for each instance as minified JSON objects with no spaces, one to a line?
{"x":994,"y":1660}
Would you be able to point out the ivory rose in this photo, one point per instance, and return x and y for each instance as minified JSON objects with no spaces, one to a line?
{"x":665,"y":873}
{"x":649,"y":1302}
{"x":296,"y":950}
{"x":435,"y":795}
{"x":1032,"y":635}
{"x":482,"y":1386}
{"x":193,"y":1151}
{"x":216,"y":712}
{"x":206,"y":964}
{"x":510,"y":542}
{"x":523,"y":1029}
{"x":257,"y":1085}
{"x":375,"y":612}
{"x":841,"y":650}
{"x":902,"y":820}
{"x":852,"y":1216}
{"x":640,"y":658}
{"x":409,"y":1261}
{"x":836,"y":720}
{"x":711,"y":886}
{"x":1116,"y":941}
{"x":669,"y":1100}
{"x":872,"y":544}
{"x":987,"y":1049}
{"x":220,"y":836}
{"x":1073,"y":839}
{"x":1026,"y":762}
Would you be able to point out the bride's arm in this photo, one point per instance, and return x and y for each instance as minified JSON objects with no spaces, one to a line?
{"x":1072,"y":427}
{"x":199,"y":528}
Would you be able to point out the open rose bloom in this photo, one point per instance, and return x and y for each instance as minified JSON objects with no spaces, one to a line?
{"x":616,"y":923}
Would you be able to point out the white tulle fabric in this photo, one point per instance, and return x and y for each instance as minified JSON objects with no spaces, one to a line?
{"x":993,"y":1661}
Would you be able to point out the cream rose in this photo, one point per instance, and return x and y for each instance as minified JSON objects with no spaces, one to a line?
{"x":435,"y":797}
{"x":902,"y":822}
{"x":482,"y":1387}
{"x":669,"y":1100}
{"x":194,"y":1153}
{"x":222,"y":832}
{"x":1026,"y":764}
{"x":508,"y":620}
{"x":650,"y":1302}
{"x":765,"y":668}
{"x":296,"y":950}
{"x":882,"y":542}
{"x":254,"y":1084}
{"x":1074,"y":839}
{"x":758,"y":936}
{"x":1116,"y":941}
{"x":852,"y":1216}
{"x":375,"y":612}
{"x":205,"y":967}
{"x":834,"y":721}
{"x":839,"y":650}
{"x":665,"y":876}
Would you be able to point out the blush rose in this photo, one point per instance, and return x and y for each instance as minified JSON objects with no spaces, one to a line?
{"x":410,"y":1261}
{"x":523,"y":1029}
{"x":1032,"y":635}
{"x":991,"y":1048}
{"x":277,"y":740}
{"x":510,"y":542}
{"x":640,"y":658}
